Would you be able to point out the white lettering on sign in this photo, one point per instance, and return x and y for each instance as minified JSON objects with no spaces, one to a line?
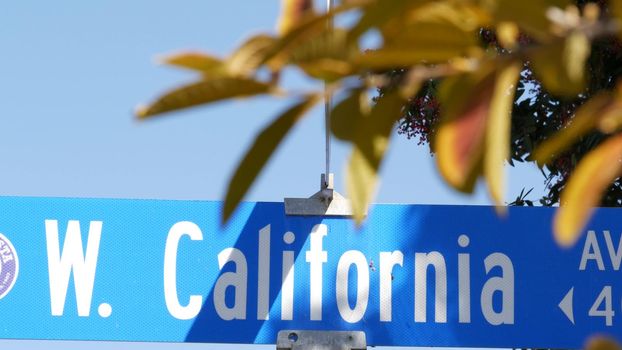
{"x":503,"y":285}
{"x":349,"y":258}
{"x":72,"y":258}
{"x":230,"y":293}
{"x":180,"y":229}
{"x":316,"y":257}
{"x":387,"y":261}
{"x":592,"y":252}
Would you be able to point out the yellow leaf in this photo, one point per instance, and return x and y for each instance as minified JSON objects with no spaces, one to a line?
{"x":292,"y":13}
{"x":594,"y":173}
{"x":611,"y":118}
{"x":616,"y":11}
{"x":370,"y":140}
{"x":309,"y":27}
{"x":257,"y":156}
{"x":460,"y":135}
{"x":529,"y":15}
{"x":330,"y":44}
{"x":602,"y":343}
{"x":431,"y":42}
{"x":361,"y":182}
{"x":584,"y":121}
{"x":251,"y":54}
{"x":348,"y":115}
{"x":561,"y":67}
{"x":377,"y":13}
{"x":498,"y":130}
{"x":203,"y":92}
{"x":196,"y":61}
{"x":507,"y":33}
{"x":576,"y":52}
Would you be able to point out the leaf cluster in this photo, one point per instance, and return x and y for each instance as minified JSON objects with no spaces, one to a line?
{"x":438,"y":45}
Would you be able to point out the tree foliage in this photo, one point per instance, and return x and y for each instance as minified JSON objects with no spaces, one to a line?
{"x":466,"y":90}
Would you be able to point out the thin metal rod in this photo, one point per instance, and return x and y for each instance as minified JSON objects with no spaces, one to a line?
{"x":327,"y":108}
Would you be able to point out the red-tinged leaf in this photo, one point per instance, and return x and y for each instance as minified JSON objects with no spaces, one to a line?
{"x":459,"y":141}
{"x":292,"y":13}
{"x":257,"y":156}
{"x":203,"y":92}
{"x":593,"y":175}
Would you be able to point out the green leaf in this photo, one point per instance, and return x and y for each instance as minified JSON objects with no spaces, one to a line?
{"x":498,"y":130}
{"x":370,"y":142}
{"x":586,"y":186}
{"x":257,"y":156}
{"x":203,"y":92}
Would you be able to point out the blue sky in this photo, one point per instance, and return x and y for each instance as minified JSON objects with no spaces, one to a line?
{"x":72,"y":72}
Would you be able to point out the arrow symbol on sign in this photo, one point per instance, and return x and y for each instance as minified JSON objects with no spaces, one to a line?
{"x":566,"y":305}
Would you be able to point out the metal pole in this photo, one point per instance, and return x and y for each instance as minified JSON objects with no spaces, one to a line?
{"x":327,"y":108}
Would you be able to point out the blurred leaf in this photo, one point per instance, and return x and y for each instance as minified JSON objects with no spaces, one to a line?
{"x":197,"y":61}
{"x":586,"y":186}
{"x":576,"y":52}
{"x":377,"y":13}
{"x":616,"y":11}
{"x":370,"y":141}
{"x":602,"y":343}
{"x":529,"y":15}
{"x":507,"y":33}
{"x":325,"y":55}
{"x":611,"y":118}
{"x":251,"y":54}
{"x":561,"y":67}
{"x":292,"y":13}
{"x":464,"y":15}
{"x":460,"y":135}
{"x":498,"y":130}
{"x":349,"y":114}
{"x":203,"y":92}
{"x":327,"y":69}
{"x":309,"y":27}
{"x":257,"y":156}
{"x":584,"y":121}
{"x":426,"y":41}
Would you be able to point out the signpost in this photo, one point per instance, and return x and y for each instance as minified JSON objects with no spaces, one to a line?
{"x":167,"y":271}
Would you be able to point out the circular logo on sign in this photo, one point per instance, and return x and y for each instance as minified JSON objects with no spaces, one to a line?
{"x":9,"y":265}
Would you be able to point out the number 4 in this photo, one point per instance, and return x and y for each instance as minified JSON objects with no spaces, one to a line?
{"x":607,"y":312}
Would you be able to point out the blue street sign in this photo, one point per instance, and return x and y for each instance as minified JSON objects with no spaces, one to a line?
{"x":147,"y":270}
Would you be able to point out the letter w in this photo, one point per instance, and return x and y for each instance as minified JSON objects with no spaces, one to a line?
{"x":60,"y":264}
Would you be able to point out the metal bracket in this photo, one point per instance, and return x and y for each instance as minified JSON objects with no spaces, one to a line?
{"x":321,"y":340}
{"x":326,"y":202}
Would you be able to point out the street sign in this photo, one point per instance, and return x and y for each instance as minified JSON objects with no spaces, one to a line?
{"x":150,"y":270}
